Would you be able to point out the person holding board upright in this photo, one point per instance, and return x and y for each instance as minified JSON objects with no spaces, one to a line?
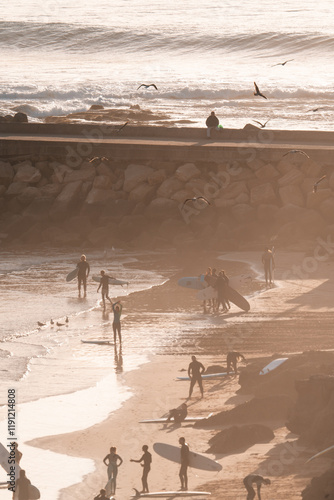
{"x":83,"y":272}
{"x":184,"y":464}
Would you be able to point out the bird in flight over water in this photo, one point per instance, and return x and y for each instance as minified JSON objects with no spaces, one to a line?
{"x":121,"y":127}
{"x":283,"y":63}
{"x":315,"y":185}
{"x":257,"y":91}
{"x":262,"y":125}
{"x":147,"y":86}
{"x":299,"y":151}
{"x":196,"y":199}
{"x":314,"y":110}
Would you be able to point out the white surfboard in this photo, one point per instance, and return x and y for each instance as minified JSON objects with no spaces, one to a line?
{"x":73,"y":274}
{"x":272,"y":365}
{"x":156,"y":494}
{"x":164,"y":420}
{"x":323,"y":452}
{"x":207,"y":376}
{"x":99,"y":342}
{"x":196,"y":460}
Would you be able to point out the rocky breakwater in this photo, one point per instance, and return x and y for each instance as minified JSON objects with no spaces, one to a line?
{"x":139,"y":203}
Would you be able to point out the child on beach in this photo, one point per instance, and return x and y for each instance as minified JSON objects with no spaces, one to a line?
{"x":116,"y":326}
{"x":113,"y":461}
{"x":146,"y":460}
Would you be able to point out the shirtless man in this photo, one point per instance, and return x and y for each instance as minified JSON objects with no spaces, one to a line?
{"x":83,"y":272}
{"x":195,"y":371}
{"x":184,"y":464}
{"x":145,"y":461}
{"x":252,"y":479}
{"x":178,"y":414}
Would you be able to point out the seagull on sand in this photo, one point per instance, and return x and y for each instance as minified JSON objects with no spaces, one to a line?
{"x":67,"y":320}
{"x":40,"y":324}
{"x":315,"y":185}
{"x":257,"y":91}
{"x":147,"y":86}
{"x":52,"y":322}
{"x":299,"y":151}
{"x":262,"y":125}
{"x":196,"y":199}
{"x":60,"y":324}
{"x":283,"y":63}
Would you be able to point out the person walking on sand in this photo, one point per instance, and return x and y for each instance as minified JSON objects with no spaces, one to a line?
{"x":252,"y":479}
{"x":195,"y":371}
{"x":145,"y":461}
{"x":211,"y":122}
{"x":268,"y":264}
{"x":83,"y":272}
{"x":116,"y":325}
{"x":102,"y":495}
{"x":184,"y":464}
{"x":113,"y":461}
{"x":231,"y":360}
{"x":104,"y":283}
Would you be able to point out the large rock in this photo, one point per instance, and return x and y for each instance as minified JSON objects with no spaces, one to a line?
{"x":6,"y":173}
{"x":102,"y":182}
{"x":59,"y":172}
{"x":266,"y":172}
{"x":327,"y":209}
{"x":291,"y":194}
{"x":186,"y":172}
{"x":120,"y":207}
{"x":51,"y":190}
{"x":181,"y":196}
{"x":28,"y":195}
{"x":142,"y":193}
{"x":263,"y":195}
{"x":135,"y":174}
{"x":28,"y":174}
{"x":162,"y":208}
{"x":66,"y":201}
{"x":157,"y":177}
{"x":294,"y":176}
{"x":233,"y":190}
{"x":20,"y":118}
{"x":15,"y":188}
{"x":313,"y":200}
{"x":169,"y":187}
{"x":86,"y":173}
{"x":98,"y":196}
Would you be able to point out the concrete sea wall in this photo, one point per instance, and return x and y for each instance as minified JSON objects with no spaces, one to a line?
{"x":80,"y":189}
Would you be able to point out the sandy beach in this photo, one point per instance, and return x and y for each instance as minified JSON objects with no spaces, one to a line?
{"x":283,"y":320}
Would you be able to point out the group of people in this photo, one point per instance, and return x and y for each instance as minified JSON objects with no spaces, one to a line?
{"x":219,"y":282}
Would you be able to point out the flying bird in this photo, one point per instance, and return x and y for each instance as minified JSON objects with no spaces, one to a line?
{"x":196,"y":199}
{"x":299,"y":151}
{"x":262,"y":125}
{"x":315,"y":185}
{"x":40,"y":324}
{"x":314,"y":110}
{"x":283,"y":63}
{"x":118,"y":130}
{"x":257,"y":91}
{"x":147,"y":86}
{"x":60,"y":324}
{"x":100,"y":158}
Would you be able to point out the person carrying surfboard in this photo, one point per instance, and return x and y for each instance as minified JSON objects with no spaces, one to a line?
{"x":104,"y":283}
{"x":113,"y":461}
{"x":146,"y":460}
{"x":195,"y":370}
{"x":254,"y":479}
{"x":269,"y":265}
{"x":83,"y":272}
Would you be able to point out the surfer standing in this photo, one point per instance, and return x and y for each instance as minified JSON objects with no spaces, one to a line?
{"x":116,"y":325}
{"x":83,"y":272}
{"x":269,"y":265}
{"x":113,"y":461}
{"x":104,"y":283}
{"x":184,"y":464}
{"x":145,"y":462}
{"x":232,"y":358}
{"x":195,"y":371}
{"x":254,"y":479}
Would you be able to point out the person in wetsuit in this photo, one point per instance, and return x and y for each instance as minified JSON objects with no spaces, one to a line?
{"x":113,"y":461}
{"x":116,"y":325}
{"x":184,"y":464}
{"x":102,"y":495}
{"x":178,"y":414}
{"x":232,"y":358}
{"x":252,"y":479}
{"x":195,"y":371}
{"x":104,"y":283}
{"x":221,"y":284}
{"x":145,"y":461}
{"x":83,"y":272}
{"x":268,"y":264}
{"x":22,"y":484}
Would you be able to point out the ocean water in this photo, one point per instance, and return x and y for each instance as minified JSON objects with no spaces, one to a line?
{"x":61,"y":56}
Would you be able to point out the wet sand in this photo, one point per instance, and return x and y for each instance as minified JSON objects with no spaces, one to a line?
{"x":294,"y":316}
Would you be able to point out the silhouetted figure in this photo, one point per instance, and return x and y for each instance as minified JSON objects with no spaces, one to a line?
{"x":232,"y":358}
{"x":221,"y":286}
{"x":116,"y":325}
{"x":178,"y":414}
{"x":269,"y":265}
{"x":258,"y":481}
{"x":83,"y":272}
{"x":102,"y":495}
{"x":195,"y":371}
{"x":184,"y":464}
{"x":145,"y":461}
{"x":211,"y":122}
{"x":22,"y":484}
{"x":113,"y":461}
{"x":104,"y":283}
